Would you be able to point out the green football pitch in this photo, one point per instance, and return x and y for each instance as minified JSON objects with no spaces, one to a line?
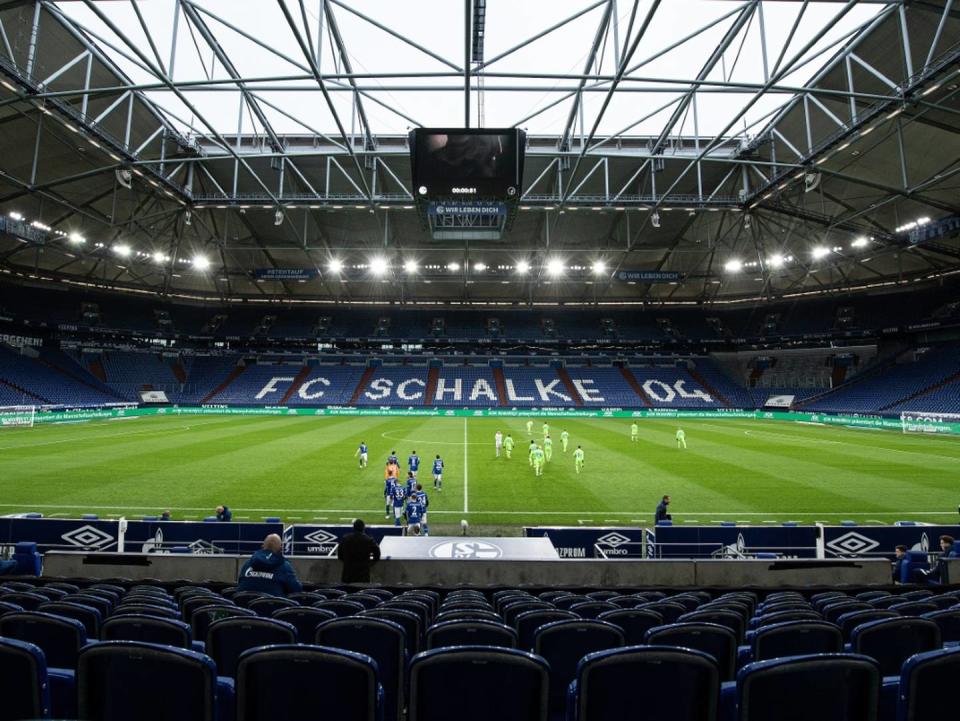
{"x":303,"y":469}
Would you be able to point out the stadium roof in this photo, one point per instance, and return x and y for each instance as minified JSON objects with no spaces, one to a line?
{"x":755,"y":149}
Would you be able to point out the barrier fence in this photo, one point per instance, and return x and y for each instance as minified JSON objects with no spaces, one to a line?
{"x":930,"y":425}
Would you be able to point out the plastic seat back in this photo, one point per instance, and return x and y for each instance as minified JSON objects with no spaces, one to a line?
{"x":470,"y":683}
{"x":305,"y":619}
{"x":146,"y":629}
{"x":635,"y":622}
{"x":120,"y":680}
{"x":926,"y":689}
{"x":470,"y":633}
{"x":23,"y":681}
{"x":382,"y":640}
{"x":59,"y":638}
{"x":891,"y":641}
{"x":837,"y":687}
{"x":528,"y":622}
{"x":613,"y":685}
{"x":717,"y":641}
{"x":230,"y":637}
{"x":796,"y":638}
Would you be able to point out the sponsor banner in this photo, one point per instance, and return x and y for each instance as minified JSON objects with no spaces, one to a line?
{"x":323,"y":540}
{"x":592,"y":542}
{"x":153,"y":397}
{"x":285,"y":273}
{"x":45,"y":416}
{"x":877,"y":541}
{"x":648,"y":276}
{"x":735,"y":541}
{"x":784,"y":401}
{"x":466,"y":208}
{"x":942,"y":228}
{"x":140,"y":536}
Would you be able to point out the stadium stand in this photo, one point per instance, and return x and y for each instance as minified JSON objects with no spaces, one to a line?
{"x":732,"y":635}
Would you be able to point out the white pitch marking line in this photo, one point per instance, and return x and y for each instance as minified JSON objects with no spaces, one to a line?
{"x":466,"y":506}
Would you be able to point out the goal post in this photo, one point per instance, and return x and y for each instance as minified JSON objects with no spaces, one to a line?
{"x":930,"y":422}
{"x":17,"y":416}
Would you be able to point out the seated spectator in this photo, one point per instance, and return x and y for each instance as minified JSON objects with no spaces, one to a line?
{"x":224,"y":513}
{"x":901,"y":556}
{"x":948,"y":549}
{"x":267,"y":571}
{"x":165,"y":516}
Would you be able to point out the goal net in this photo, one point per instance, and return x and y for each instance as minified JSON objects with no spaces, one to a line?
{"x":12,"y":416}
{"x":929,"y":422}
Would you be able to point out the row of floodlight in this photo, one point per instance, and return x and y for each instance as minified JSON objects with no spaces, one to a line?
{"x":779,"y":260}
{"x":380,"y":265}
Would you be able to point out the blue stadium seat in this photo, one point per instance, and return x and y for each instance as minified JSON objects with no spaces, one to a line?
{"x":592,"y":609}
{"x":29,"y":562}
{"x":717,"y":641}
{"x":796,"y":638}
{"x":832,"y":612}
{"x":478,"y":684}
{"x":147,"y":629}
{"x":914,"y":608}
{"x":307,"y":682}
{"x":340,"y":607}
{"x":382,"y":640}
{"x":467,"y":615}
{"x":734,"y":621}
{"x":769,"y":619}
{"x":202,"y":617}
{"x":563,"y":643}
{"x":147,"y":609}
{"x":634,"y":622}
{"x":891,"y":641}
{"x":24,"y":688}
{"x":27,"y":600}
{"x":949,"y":622}
{"x":59,"y":638}
{"x":303,"y":618}
{"x":470,"y":633}
{"x":528,"y":622}
{"x":926,"y":691}
{"x":266,"y":606}
{"x":7,"y":607}
{"x":409,"y":621}
{"x":825,"y":687}
{"x":230,"y":637}
{"x":670,"y":611}
{"x":849,"y":621}
{"x":123,"y":680}
{"x":87,"y":615}
{"x":651,"y":682}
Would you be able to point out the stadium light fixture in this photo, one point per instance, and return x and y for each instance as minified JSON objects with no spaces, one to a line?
{"x":820,"y":252}
{"x":860,"y":242}
{"x":122,"y":250}
{"x":201,"y":262}
{"x":523,"y":267}
{"x":77,"y":238}
{"x":555,"y":267}
{"x":599,"y":267}
{"x":410,"y":266}
{"x":159,"y":257}
{"x":453,"y":266}
{"x":733,"y":266}
{"x":480,"y":267}
{"x":335,"y":265}
{"x":775,"y":261}
{"x":14,"y":215}
{"x":378,"y":266}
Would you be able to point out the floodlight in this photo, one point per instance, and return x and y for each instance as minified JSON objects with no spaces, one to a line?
{"x":599,"y":267}
{"x":122,"y":250}
{"x":775,"y":261}
{"x":820,"y":252}
{"x":410,"y":266}
{"x":335,"y":265}
{"x":201,"y":262}
{"x":159,"y":257}
{"x":453,"y":266}
{"x":378,"y":266}
{"x":555,"y":267}
{"x":77,"y":238}
{"x":480,"y":267}
{"x":523,"y":267}
{"x":860,"y":242}
{"x":733,"y":266}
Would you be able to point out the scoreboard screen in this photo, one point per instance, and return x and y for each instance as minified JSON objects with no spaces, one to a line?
{"x":467,"y":163}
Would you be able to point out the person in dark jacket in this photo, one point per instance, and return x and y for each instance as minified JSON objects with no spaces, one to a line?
{"x":359,"y":552}
{"x":267,"y":571}
{"x":224,"y":513}
{"x":662,"y":514}
{"x":900,"y":556}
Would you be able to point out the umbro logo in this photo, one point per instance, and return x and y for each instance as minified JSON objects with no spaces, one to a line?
{"x":613,"y":539}
{"x":852,"y":544}
{"x":87,"y":537}
{"x":320,"y":537}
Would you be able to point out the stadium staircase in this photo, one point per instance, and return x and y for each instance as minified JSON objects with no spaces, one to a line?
{"x":179,"y":373}
{"x":501,"y":384}
{"x":431,"y":389}
{"x":707,"y":387}
{"x":632,"y":382}
{"x":364,"y":379}
{"x":924,"y":392}
{"x":234,"y":374}
{"x":297,"y":382}
{"x":97,"y":370}
{"x":23,"y":391}
{"x":74,"y":377}
{"x":568,"y":383}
